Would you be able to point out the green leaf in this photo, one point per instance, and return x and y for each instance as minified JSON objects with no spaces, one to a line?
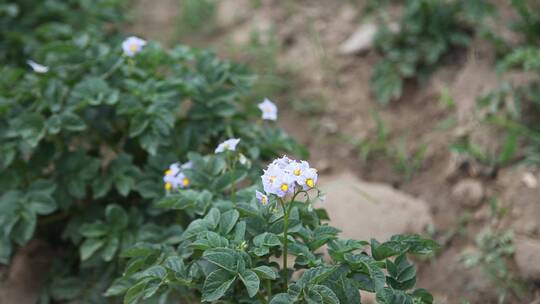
{"x":89,"y":247}
{"x":41,"y":203}
{"x":155,"y":272}
{"x":216,"y":285}
{"x":116,"y":216}
{"x":423,"y":295}
{"x":72,"y":122}
{"x":402,"y":273}
{"x":386,"y":82}
{"x":325,"y":293}
{"x":222,"y":257}
{"x":368,"y":264}
{"x":140,"y":250}
{"x":124,"y":184}
{"x":251,"y":281}
{"x":135,"y":292}
{"x":5,"y":250}
{"x":266,"y":272}
{"x":93,"y":230}
{"x":118,"y":287}
{"x":227,"y":221}
{"x":138,"y":124}
{"x":24,"y":228}
{"x":110,"y":249}
{"x":282,"y":298}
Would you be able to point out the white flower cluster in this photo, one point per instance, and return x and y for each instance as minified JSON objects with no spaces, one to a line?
{"x":175,"y":177}
{"x":284,"y":175}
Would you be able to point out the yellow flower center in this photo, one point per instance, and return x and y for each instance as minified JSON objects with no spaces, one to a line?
{"x":272,"y":179}
{"x":310,"y":182}
{"x":296,"y":172}
{"x":168,"y":186}
{"x":267,"y":110}
{"x":284,"y":187}
{"x":168,"y":172}
{"x":264,"y":200}
{"x":185,"y":182}
{"x":133,"y":47}
{"x":226,"y":146}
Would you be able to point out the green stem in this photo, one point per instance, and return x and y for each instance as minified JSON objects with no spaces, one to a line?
{"x":261,"y":298}
{"x":285,"y":243}
{"x":115,"y":66}
{"x":269,"y":289}
{"x":233,"y":180}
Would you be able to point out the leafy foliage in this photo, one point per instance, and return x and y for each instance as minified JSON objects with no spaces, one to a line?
{"x":428,"y":30}
{"x":83,"y":146}
{"x":227,"y":253}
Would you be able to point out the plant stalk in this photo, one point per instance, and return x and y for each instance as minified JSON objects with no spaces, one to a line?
{"x":285,"y":244}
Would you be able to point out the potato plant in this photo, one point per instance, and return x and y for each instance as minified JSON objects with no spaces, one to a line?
{"x":113,"y":151}
{"x":237,"y":247}
{"x":427,"y":31}
{"x":86,"y":129}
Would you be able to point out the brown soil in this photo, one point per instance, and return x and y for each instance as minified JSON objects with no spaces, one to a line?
{"x":311,"y":32}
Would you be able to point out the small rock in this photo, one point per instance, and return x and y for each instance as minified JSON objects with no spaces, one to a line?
{"x":469,"y":192}
{"x":529,"y":180}
{"x":371,"y":210}
{"x":527,"y":256}
{"x":363,"y":38}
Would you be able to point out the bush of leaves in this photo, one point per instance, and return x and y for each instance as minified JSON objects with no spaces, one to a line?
{"x":238,"y":246}
{"x":86,"y":134}
{"x":414,"y":46}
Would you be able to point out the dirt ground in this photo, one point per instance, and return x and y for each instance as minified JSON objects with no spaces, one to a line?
{"x":336,"y":85}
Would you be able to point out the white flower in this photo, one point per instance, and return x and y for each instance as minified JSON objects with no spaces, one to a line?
{"x":269,"y":178}
{"x":298,"y":169}
{"x":308,"y":179}
{"x":269,"y":109}
{"x":262,"y":198}
{"x":38,"y":68}
{"x":282,"y":162}
{"x":277,"y":181}
{"x":229,"y":144}
{"x":132,"y":45}
{"x":174,"y":177}
{"x":283,"y":176}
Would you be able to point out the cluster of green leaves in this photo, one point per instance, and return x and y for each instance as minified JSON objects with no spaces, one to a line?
{"x":516,"y":108}
{"x":495,"y":248}
{"x":26,"y":25}
{"x":83,"y":147}
{"x":228,"y":253}
{"x":428,"y":30}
